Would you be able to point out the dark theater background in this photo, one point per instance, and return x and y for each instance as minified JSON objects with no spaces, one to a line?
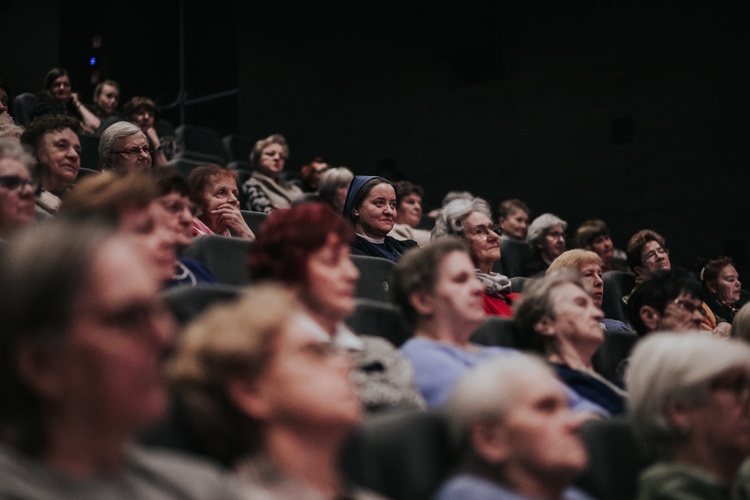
{"x":633,"y":112}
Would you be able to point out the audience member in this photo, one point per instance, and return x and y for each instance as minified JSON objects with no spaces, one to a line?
{"x":647,"y":254}
{"x":267,"y":392}
{"x":58,"y":98}
{"x":521,"y":438}
{"x":689,"y":407}
{"x":371,"y":206}
{"x":54,"y":142}
{"x":4,"y":101}
{"x":558,"y":319}
{"x":123,"y":146}
{"x":129,"y":202}
{"x":143,"y":112}
{"x":106,"y":99}
{"x":409,"y":213}
{"x":669,"y":301}
{"x":471,"y":220}
{"x":588,"y":265}
{"x":594,"y":235}
{"x":513,"y":217}
{"x":333,"y":188}
{"x":439,"y":294}
{"x":721,"y":286}
{"x":311,"y":174}
{"x":741,"y":324}
{"x":213,"y":190}
{"x":266,"y":190}
{"x":307,"y":248}
{"x":84,"y":339}
{"x":449,"y":197}
{"x":546,"y":237}
{"x":177,"y":212}
{"x":17,"y":188}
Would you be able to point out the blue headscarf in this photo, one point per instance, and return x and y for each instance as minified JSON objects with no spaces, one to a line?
{"x":354,"y":187}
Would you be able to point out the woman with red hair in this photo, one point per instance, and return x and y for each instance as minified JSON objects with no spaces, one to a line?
{"x":213,"y":190}
{"x":306,"y":247}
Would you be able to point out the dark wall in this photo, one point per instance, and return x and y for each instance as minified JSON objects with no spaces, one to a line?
{"x":636,"y":114}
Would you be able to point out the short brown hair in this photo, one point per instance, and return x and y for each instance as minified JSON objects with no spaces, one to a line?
{"x":636,"y":244}
{"x":200,"y":177}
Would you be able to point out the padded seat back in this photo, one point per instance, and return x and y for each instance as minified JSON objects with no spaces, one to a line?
{"x":237,"y":147}
{"x":495,"y":331}
{"x":401,"y":455}
{"x":380,"y":319}
{"x":187,"y":302}
{"x":22,"y":105}
{"x":225,"y":257}
{"x":617,"y":284}
{"x":202,"y":144}
{"x":615,"y":348}
{"x":374,"y":277}
{"x":254,"y":219}
{"x":512,"y":254}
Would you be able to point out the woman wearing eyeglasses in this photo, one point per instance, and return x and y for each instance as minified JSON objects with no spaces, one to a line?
{"x":688,"y":403}
{"x":471,"y":220}
{"x":124,"y":147}
{"x":16,"y":188}
{"x":57,"y":98}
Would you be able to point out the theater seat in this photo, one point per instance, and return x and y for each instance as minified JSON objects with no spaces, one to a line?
{"x":615,"y":459}
{"x":186,"y":302}
{"x":225,"y":257}
{"x":617,"y":284}
{"x":401,"y":455}
{"x":254,"y":219}
{"x":513,"y":252}
{"x":380,"y":319}
{"x":374,"y":277}
{"x":495,"y":331}
{"x":615,"y":348}
{"x":22,"y":105}
{"x":201,"y":144}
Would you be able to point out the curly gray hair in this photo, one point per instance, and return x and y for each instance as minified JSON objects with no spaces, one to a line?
{"x":451,"y":219}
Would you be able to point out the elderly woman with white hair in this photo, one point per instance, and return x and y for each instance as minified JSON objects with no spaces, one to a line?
{"x":689,"y":404}
{"x":333,"y":188}
{"x":471,"y":220}
{"x":123,"y":146}
{"x":546,"y":237}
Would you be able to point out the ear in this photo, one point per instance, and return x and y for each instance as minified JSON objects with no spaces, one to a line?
{"x":545,"y":327}
{"x":422,"y":303}
{"x":679,"y":417}
{"x":355,"y":212}
{"x":638,"y":270}
{"x":650,"y":317}
{"x":36,"y":367}
{"x":489,"y":441}
{"x":711,"y":287}
{"x":249,"y":398}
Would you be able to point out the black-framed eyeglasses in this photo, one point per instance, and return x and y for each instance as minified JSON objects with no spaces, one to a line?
{"x":136,"y":150}
{"x":13,"y":182}
{"x":175,"y":207}
{"x":653,"y":254}
{"x":689,"y":306}
{"x":483,"y":231}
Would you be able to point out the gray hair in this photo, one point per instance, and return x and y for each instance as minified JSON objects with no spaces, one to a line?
{"x":110,"y":137}
{"x":541,"y":226}
{"x":741,"y":324}
{"x":262,"y":144}
{"x":675,"y":368}
{"x":11,"y":148}
{"x":331,"y":179}
{"x":537,"y":302}
{"x":488,"y":391}
{"x":452,"y":216}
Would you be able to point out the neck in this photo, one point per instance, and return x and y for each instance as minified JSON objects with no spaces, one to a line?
{"x":445,"y":331}
{"x":326,"y":322}
{"x":360,"y":230}
{"x":54,"y":185}
{"x":485,"y":267}
{"x":310,"y":457}
{"x":575,"y":357}
{"x":79,"y":447}
{"x":528,"y":484}
{"x":697,"y":453}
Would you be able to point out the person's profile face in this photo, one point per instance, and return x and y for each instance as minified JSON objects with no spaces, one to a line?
{"x":516,"y":224}
{"x":108,"y":99}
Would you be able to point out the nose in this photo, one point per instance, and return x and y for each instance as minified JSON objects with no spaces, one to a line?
{"x":233,"y":199}
{"x":73,"y":152}
{"x":598,"y":282}
{"x":478,"y":288}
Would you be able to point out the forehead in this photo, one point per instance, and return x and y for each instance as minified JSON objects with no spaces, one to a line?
{"x":476,"y":218}
{"x":518,"y":212}
{"x":567,"y":292}
{"x":223,"y":181}
{"x":137,"y":139}
{"x":687,"y":296}
{"x":651,"y":245}
{"x":118,"y":261}
{"x":453,"y":263}
{"x":63,"y":133}
{"x":591,"y":266}
{"x":535,"y":386}
{"x":728,"y":270}
{"x":382,"y":191}
{"x":555,"y":229}
{"x":109,"y":89}
{"x":135,"y":220}
{"x":9,"y":166}
{"x":274,"y":147}
{"x":63,"y":78}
